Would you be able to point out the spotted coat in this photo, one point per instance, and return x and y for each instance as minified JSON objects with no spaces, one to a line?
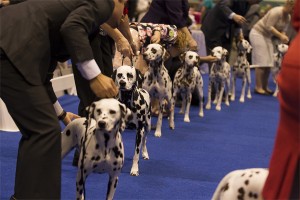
{"x":100,"y":146}
{"x":158,"y":82}
{"x":128,"y":79}
{"x":241,"y":69}
{"x":245,"y":184}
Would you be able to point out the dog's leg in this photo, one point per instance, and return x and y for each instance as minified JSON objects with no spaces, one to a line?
{"x":187,"y":109}
{"x":144,"y":146}
{"x":276,"y":90}
{"x":249,"y":82}
{"x":233,"y":82}
{"x":227,"y":87}
{"x":159,"y":118}
{"x":171,"y":108}
{"x":200,"y":94}
{"x":112,"y":185}
{"x":208,"y":104}
{"x":242,"y":97}
{"x":82,"y":174}
{"x":220,"y":95}
{"x":183,"y":104}
{"x":140,"y":135}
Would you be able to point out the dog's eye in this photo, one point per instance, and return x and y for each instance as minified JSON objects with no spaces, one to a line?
{"x":129,"y":75}
{"x":119,"y":75}
{"x":112,"y":112}
{"x":99,"y":111}
{"x":190,"y":57}
{"x":153,"y":51}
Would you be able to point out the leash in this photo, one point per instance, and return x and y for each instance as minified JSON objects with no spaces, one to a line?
{"x":131,"y":60}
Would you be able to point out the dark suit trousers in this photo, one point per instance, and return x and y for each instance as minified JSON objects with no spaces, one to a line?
{"x":38,"y":169}
{"x":102,"y":49}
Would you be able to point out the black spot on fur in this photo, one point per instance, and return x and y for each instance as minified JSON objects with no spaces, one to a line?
{"x":116,"y":183}
{"x":115,"y":163}
{"x":95,"y":166}
{"x":225,"y":187}
{"x":241,"y":192}
{"x":106,"y":136}
{"x":117,"y":152}
{"x":97,"y":158}
{"x":68,"y":133}
{"x":246,"y":182}
{"x":97,"y":146}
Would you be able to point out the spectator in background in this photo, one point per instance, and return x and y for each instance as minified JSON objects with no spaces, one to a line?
{"x":283,"y":181}
{"x":263,"y":36}
{"x":224,"y":22}
{"x":207,"y":5}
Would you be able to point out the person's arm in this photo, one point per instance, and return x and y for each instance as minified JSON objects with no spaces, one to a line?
{"x":209,"y":58}
{"x":65,"y":117}
{"x":225,"y":8}
{"x":75,"y":32}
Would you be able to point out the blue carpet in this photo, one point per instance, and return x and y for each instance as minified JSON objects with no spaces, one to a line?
{"x":185,"y":163}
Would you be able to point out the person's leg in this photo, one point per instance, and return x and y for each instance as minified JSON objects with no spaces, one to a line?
{"x":38,"y":169}
{"x":259,"y":80}
{"x":266,"y":76}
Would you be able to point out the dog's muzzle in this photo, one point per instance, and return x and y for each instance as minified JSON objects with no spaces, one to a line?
{"x":101,"y":124}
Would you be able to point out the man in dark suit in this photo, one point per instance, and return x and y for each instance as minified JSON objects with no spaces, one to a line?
{"x":34,"y":35}
{"x":222,"y":20}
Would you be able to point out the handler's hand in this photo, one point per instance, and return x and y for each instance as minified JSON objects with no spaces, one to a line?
{"x":155,"y":37}
{"x":124,"y":47}
{"x":69,"y":117}
{"x":239,"y":19}
{"x":103,"y":86}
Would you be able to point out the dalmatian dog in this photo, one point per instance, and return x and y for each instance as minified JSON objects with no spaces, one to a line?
{"x":281,"y":49}
{"x":244,"y":184}
{"x":158,"y":82}
{"x":99,"y":142}
{"x":128,"y":79}
{"x":187,"y":79}
{"x":241,"y":69}
{"x":219,"y":77}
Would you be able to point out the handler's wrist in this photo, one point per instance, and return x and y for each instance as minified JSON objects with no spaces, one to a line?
{"x":63,"y":115}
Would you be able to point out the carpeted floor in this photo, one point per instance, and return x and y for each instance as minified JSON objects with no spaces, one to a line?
{"x":185,"y":163}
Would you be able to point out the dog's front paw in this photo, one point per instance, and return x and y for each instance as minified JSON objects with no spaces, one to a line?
{"x":201,"y":114}
{"x":134,"y":173}
{"x":218,"y":108}
{"x":157,"y":134}
{"x":232,"y":98}
{"x":145,"y":155}
{"x":242,"y":99}
{"x":186,"y":119}
{"x":208,"y":106}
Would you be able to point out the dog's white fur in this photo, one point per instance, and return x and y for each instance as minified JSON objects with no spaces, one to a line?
{"x":101,"y":147}
{"x":158,"y":82}
{"x":241,"y":69}
{"x":281,"y":49}
{"x":219,"y":77}
{"x":186,"y":80}
{"x":128,"y":78}
{"x":244,"y":184}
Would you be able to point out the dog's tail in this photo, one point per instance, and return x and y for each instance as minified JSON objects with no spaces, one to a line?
{"x":71,"y":135}
{"x":222,"y":186}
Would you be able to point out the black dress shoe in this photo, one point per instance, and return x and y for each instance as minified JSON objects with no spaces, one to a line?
{"x":262,"y":93}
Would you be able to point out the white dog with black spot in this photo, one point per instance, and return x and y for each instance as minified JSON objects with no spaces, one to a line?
{"x":99,"y":142}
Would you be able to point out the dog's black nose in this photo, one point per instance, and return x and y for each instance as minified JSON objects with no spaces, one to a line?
{"x":122,"y":83}
{"x":101,"y":124}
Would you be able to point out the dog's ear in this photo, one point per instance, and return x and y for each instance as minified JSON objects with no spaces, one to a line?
{"x":90,"y":110}
{"x":113,"y":76}
{"x":225,"y":52}
{"x":166,"y":54}
{"x":139,"y":78}
{"x":249,"y":49}
{"x":182,"y":56}
{"x":126,"y":116}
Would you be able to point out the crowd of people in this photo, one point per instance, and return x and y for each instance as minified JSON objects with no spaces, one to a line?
{"x":36,"y":35}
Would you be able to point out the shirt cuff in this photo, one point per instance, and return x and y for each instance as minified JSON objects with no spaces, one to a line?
{"x":89,"y":69}
{"x":57,"y":107}
{"x":231,"y":15}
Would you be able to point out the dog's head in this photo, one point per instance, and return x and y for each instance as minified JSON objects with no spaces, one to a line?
{"x":110,"y":115}
{"x":219,"y":52}
{"x":127,"y":77}
{"x":155,"y":52}
{"x":190,"y":58}
{"x":282,"y":48}
{"x":244,"y":45}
